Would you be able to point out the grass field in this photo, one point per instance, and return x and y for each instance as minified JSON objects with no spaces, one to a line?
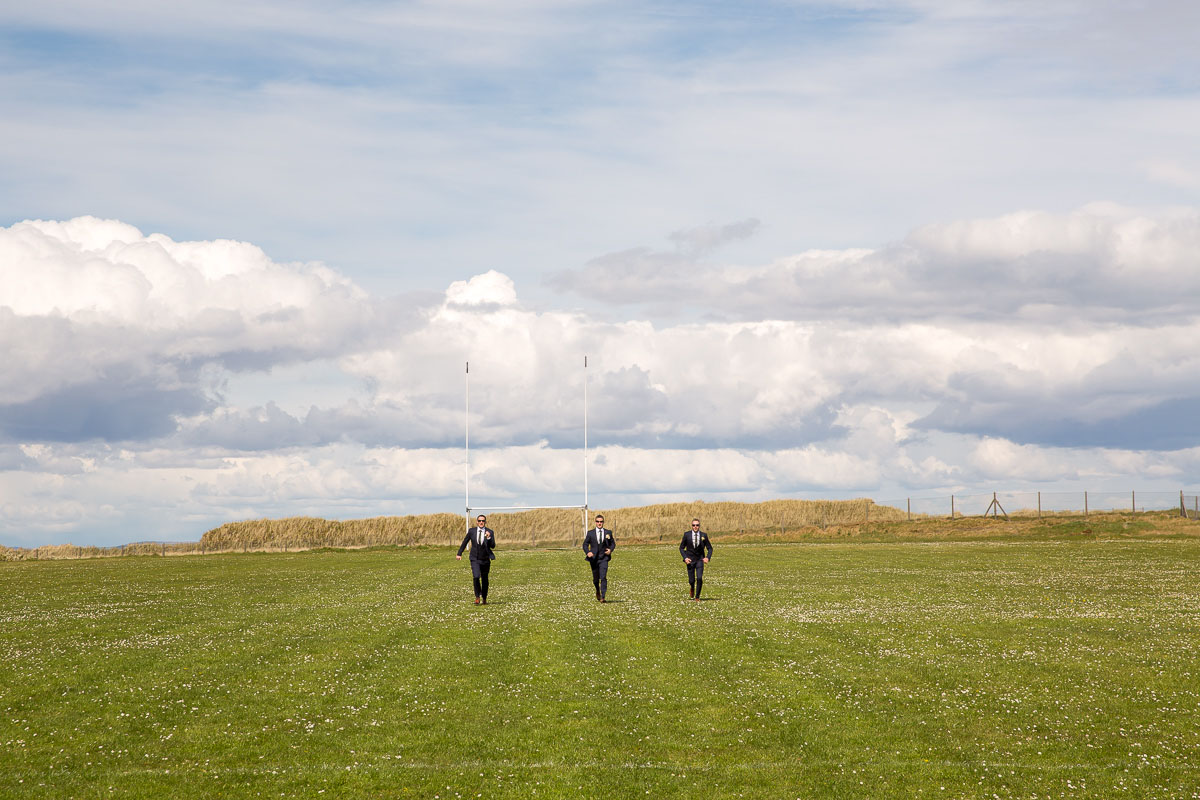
{"x":1059,"y":668}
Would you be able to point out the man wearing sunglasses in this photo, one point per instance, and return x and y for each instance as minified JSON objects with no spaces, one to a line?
{"x":598,"y":545}
{"x":483,"y":541}
{"x":696,"y":550}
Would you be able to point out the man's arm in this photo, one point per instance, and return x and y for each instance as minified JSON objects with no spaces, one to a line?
{"x":683,"y":547}
{"x":491,"y":539}
{"x":612,"y":542}
{"x":466,"y":540}
{"x":707,"y":548}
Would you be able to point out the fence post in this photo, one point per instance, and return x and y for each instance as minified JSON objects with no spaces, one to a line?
{"x":866,"y":510}
{"x":1133,"y":502}
{"x":1182,"y":509}
{"x":1039,"y":505}
{"x":164,"y":549}
{"x":1085,"y":502}
{"x":908,"y":509}
{"x":951,"y":506}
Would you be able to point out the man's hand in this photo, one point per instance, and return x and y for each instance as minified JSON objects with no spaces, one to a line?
{"x":706,"y":561}
{"x":687,"y":561}
{"x":607,"y":552}
{"x":488,"y":534}
{"x":589,"y":554}
{"x":458,"y":557}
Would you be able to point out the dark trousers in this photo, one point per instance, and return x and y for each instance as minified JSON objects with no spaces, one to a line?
{"x":696,"y":575}
{"x":479,"y":576}
{"x":600,"y":575}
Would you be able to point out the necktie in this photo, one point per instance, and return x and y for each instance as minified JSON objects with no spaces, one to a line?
{"x":480,"y":536}
{"x":695,"y":540}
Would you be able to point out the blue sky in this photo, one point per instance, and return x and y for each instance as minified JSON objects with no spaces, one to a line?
{"x":816,"y":249}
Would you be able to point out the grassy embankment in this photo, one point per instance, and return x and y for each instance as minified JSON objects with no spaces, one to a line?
{"x":775,"y":520}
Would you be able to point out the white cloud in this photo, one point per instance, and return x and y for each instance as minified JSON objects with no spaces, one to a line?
{"x":142,"y":377}
{"x":1099,"y":262}
{"x":94,"y":312}
{"x":102,"y":271}
{"x":177,"y":496}
{"x":490,"y":288}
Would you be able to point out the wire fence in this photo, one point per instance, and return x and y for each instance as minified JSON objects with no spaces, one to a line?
{"x":647,"y":524}
{"x":1042,"y":504}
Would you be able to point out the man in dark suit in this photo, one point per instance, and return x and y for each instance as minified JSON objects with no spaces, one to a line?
{"x":483,"y":541}
{"x":696,"y":550}
{"x":598,"y":545}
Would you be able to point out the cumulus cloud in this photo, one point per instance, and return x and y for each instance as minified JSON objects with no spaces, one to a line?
{"x":106,"y":331}
{"x":490,"y":288}
{"x":115,"y":336}
{"x":1100,"y":262}
{"x":130,"y":353}
{"x":1065,"y":379}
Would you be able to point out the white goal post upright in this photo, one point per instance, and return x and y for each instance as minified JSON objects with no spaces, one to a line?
{"x":467,"y":457}
{"x":585,"y":485}
{"x":467,"y":444}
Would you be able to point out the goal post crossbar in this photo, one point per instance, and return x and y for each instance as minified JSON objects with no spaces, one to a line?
{"x":518,"y":508}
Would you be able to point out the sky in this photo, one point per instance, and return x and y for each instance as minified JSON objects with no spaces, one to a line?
{"x":809,"y":249}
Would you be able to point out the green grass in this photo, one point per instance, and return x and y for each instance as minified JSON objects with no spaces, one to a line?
{"x":951,"y":669}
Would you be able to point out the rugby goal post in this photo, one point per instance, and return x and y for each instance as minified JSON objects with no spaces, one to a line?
{"x":471,"y":510}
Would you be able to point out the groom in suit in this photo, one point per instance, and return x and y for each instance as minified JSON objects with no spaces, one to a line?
{"x":483,"y":541}
{"x":696,"y":550}
{"x":598,"y":545}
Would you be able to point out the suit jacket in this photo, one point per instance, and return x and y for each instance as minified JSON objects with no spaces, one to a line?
{"x":704,"y":550}
{"x":479,"y":552}
{"x":592,"y":544}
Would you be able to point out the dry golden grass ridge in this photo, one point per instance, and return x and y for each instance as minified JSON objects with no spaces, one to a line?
{"x":779,"y":520}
